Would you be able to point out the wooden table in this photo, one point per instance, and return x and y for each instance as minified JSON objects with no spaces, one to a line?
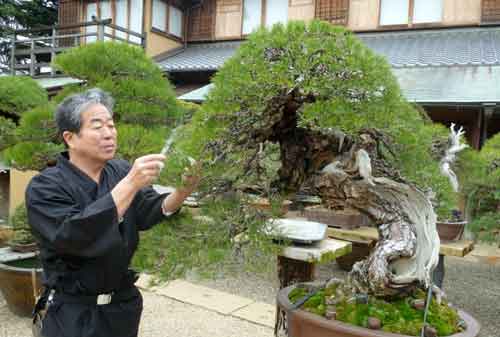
{"x":449,"y":248}
{"x":459,"y":248}
{"x":297,"y":263}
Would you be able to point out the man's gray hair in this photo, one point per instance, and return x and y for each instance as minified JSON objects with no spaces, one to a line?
{"x":69,"y":113}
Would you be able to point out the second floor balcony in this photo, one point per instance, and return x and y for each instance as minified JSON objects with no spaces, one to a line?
{"x":32,"y":51}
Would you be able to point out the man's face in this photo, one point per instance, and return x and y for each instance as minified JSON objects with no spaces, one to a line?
{"x":97,"y":137}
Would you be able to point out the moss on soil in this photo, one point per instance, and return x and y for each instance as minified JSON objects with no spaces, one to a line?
{"x":397,"y":316}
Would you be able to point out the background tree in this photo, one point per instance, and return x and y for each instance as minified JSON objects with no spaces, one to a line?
{"x":145,"y":105}
{"x":479,"y":173}
{"x":21,"y":14}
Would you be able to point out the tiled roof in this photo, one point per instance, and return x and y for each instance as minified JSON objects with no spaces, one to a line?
{"x":200,"y":57}
{"x":438,"y":47}
{"x":430,"y":85}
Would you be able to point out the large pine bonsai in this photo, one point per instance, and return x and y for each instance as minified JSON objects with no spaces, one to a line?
{"x":309,"y":107}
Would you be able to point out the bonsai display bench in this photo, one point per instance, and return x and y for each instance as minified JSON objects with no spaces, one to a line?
{"x":297,"y":263}
{"x":8,"y":255}
{"x":458,"y":248}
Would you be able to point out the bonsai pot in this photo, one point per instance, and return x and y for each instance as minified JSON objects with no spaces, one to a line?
{"x":23,"y":247}
{"x":450,"y":230}
{"x":16,"y":284}
{"x":300,"y":323}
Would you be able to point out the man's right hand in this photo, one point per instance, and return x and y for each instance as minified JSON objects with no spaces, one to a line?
{"x":145,"y":170}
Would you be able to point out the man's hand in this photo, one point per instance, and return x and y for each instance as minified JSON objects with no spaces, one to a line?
{"x":145,"y":170}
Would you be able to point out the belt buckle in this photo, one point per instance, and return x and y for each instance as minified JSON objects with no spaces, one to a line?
{"x":103,"y":299}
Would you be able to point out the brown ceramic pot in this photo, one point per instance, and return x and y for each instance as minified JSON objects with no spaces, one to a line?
{"x":451,"y":230}
{"x":16,"y":285}
{"x":301,"y":323}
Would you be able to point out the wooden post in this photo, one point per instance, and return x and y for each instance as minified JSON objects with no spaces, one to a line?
{"x":144,"y":40}
{"x":488,"y":112}
{"x":13,"y":56}
{"x":291,"y":271}
{"x":53,"y":51}
{"x":32,"y":58}
{"x":100,"y":31}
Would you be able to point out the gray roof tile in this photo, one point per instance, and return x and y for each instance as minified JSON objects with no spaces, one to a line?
{"x":422,"y":48}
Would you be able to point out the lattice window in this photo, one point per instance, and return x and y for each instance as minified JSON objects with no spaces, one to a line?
{"x":69,"y":14}
{"x":333,"y":11}
{"x":491,"y":11}
{"x":201,"y":21}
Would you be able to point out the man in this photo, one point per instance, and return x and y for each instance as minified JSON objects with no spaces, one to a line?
{"x":86,"y":213}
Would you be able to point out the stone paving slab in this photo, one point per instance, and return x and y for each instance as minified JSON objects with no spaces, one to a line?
{"x":258,"y":312}
{"x":204,"y":297}
{"x":485,"y":253}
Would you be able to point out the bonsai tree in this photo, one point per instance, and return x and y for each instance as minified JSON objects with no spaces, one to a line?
{"x":145,"y":105}
{"x":480,"y":179}
{"x":309,"y":107}
{"x":21,"y":228}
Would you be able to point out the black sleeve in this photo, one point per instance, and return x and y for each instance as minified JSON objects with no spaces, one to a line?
{"x":57,"y":219}
{"x":148,"y":208}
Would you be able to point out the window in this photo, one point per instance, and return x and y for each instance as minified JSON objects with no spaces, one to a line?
{"x":427,"y":11}
{"x":166,"y":18}
{"x":490,"y":11}
{"x":394,"y":12}
{"x":118,"y":11}
{"x":398,"y":12}
{"x":159,"y":15}
{"x":175,"y":21}
{"x":276,"y":11}
{"x":252,"y":14}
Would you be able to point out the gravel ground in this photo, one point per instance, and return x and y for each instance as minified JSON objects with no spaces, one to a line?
{"x":471,"y":286}
{"x":162,"y":317}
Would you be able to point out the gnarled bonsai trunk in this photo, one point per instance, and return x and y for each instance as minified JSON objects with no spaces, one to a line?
{"x":348,"y":172}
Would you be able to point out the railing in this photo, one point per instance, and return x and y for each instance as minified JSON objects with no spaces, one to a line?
{"x":32,"y":52}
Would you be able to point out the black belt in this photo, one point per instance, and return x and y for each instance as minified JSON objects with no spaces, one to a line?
{"x":99,"y":299}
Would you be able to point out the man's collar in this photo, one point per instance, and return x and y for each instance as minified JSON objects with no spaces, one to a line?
{"x":66,"y":165}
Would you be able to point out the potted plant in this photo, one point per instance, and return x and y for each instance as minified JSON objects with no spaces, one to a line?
{"x":20,"y":268}
{"x":22,"y":240}
{"x":331,"y":113}
{"x":480,"y":177}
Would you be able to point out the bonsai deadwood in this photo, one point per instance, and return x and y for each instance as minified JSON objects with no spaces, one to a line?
{"x":455,"y":146}
{"x":350,"y":172}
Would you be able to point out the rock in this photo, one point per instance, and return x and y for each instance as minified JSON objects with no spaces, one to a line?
{"x":419,"y":304}
{"x":374,"y":323}
{"x":361,"y":299}
{"x":330,"y":314}
{"x":429,"y":331}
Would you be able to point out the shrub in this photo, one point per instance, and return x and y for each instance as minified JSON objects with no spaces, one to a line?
{"x":19,"y":94}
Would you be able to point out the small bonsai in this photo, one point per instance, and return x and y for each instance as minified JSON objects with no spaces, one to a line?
{"x":480,"y":178}
{"x":21,"y":228}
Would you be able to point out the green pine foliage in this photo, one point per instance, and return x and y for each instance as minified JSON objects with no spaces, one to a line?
{"x":142,"y":95}
{"x":7,"y":132}
{"x":135,"y":140}
{"x":353,"y":89}
{"x":19,"y":94}
{"x":34,"y":142}
{"x":20,"y":226}
{"x":479,"y":174}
